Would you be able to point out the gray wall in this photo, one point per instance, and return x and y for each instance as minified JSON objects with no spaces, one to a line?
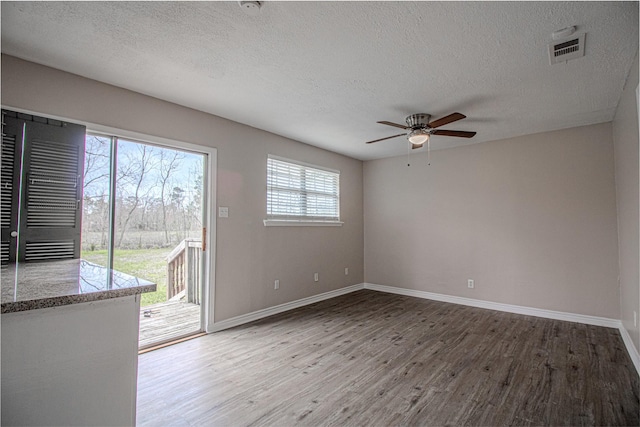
{"x":531,"y":219}
{"x":625,"y":137}
{"x":249,"y":255}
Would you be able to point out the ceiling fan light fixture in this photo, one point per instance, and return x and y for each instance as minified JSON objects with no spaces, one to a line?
{"x":418,"y":136}
{"x":251,"y":8}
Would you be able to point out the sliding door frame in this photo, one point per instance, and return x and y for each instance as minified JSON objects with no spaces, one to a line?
{"x":208,"y":205}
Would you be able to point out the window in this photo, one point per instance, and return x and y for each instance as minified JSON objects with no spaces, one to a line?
{"x":301,"y":194}
{"x":140,"y":201}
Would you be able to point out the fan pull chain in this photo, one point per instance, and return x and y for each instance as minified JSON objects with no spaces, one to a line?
{"x":429,"y":152}
{"x":408,"y":151}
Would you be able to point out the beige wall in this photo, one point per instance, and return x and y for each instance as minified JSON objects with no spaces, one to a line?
{"x":249,"y":255}
{"x":531,"y":219}
{"x":625,"y":137}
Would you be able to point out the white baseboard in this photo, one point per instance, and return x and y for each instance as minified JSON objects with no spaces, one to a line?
{"x":631,"y":349}
{"x":260,"y":314}
{"x":509,"y":308}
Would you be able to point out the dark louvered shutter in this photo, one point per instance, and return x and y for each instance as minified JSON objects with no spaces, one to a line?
{"x":51,"y":204}
{"x":12,"y":132}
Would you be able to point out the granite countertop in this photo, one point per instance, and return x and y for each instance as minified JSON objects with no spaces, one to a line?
{"x":56,"y":283}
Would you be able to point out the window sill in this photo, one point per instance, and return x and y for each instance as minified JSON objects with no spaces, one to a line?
{"x":301,"y":223}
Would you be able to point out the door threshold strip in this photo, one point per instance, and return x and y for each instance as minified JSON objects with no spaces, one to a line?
{"x":171,"y":342}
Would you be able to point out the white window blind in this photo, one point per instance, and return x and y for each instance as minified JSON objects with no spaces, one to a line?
{"x":300,"y":192}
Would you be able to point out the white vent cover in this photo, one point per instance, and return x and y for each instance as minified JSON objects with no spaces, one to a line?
{"x":567,"y":49}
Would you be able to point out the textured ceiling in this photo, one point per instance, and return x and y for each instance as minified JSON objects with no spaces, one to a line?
{"x":324,"y":72}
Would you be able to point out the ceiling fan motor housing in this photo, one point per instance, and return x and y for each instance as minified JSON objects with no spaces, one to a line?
{"x":419,"y":128}
{"x":416,"y":121}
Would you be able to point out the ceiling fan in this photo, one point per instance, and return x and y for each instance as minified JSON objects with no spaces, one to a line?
{"x":419,"y":129}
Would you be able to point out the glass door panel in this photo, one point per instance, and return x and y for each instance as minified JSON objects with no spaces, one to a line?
{"x":158,"y":235}
{"x":96,"y":200}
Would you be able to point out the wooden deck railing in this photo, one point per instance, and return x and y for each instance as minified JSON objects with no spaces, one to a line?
{"x":184,"y":270}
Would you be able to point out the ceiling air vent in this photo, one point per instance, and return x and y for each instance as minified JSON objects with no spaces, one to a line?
{"x":567,"y":49}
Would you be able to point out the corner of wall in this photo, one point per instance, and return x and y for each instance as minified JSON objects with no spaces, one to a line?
{"x":625,"y":132}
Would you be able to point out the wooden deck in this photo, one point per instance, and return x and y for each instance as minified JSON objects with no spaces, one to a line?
{"x":167,"y":321}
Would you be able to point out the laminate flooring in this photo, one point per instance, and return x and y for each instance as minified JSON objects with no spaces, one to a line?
{"x":375,"y":359}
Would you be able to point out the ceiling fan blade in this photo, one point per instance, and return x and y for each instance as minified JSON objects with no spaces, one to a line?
{"x":382,"y":139}
{"x":414,"y":146}
{"x":459,"y":133}
{"x":393,"y":124}
{"x":446,"y":120}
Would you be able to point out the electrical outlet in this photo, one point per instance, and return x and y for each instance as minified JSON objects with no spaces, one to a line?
{"x":346,"y":271}
{"x":315,"y":277}
{"x":276,"y":284}
{"x":470,"y":284}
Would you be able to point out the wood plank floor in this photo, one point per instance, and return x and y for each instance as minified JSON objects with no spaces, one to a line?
{"x":376,"y":359}
{"x":167,"y":321}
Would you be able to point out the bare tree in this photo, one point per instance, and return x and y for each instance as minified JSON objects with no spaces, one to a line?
{"x":158,"y":194}
{"x":169,"y":162}
{"x":177,"y":199}
{"x":131,"y":176}
{"x":195,"y":204}
{"x":95,"y":186}
{"x":96,"y":162}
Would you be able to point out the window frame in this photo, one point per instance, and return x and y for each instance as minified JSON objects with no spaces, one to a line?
{"x":303,"y":220}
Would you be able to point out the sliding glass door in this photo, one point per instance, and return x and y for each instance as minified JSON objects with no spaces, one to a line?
{"x":144,"y":215}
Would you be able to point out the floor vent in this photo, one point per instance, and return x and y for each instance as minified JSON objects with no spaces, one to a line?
{"x":565,"y":50}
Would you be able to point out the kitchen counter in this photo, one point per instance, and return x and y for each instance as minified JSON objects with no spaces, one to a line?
{"x":69,"y":344}
{"x":56,"y":283}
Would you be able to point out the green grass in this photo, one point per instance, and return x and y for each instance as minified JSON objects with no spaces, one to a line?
{"x":148,"y":264}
